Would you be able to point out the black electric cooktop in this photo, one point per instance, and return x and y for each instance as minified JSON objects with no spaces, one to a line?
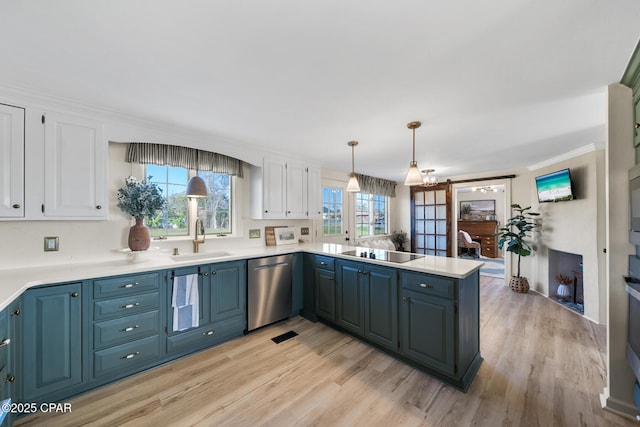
{"x":383,"y":255}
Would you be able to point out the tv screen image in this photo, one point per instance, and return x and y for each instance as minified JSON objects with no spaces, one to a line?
{"x":554,"y":187}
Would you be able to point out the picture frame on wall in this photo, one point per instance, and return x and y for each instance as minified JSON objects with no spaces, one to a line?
{"x":478,"y":209}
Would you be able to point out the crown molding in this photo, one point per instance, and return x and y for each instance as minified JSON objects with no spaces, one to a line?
{"x":566,"y":156}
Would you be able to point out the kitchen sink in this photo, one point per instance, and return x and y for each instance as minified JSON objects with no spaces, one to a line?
{"x":202,"y":255}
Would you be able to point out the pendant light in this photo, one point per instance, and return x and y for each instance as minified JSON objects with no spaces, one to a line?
{"x":353,"y":186}
{"x":196,"y":188}
{"x":414,"y":177}
{"x":430,"y":179}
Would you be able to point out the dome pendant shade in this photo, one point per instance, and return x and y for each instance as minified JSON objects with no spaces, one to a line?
{"x":353,"y":186}
{"x":414,"y":177}
{"x":196,"y":187}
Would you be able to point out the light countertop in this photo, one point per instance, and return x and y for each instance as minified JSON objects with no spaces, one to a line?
{"x":13,"y":282}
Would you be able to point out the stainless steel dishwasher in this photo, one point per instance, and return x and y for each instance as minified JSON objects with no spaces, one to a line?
{"x":269,"y":290}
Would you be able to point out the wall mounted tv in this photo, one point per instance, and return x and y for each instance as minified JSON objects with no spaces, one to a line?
{"x":554,"y":187}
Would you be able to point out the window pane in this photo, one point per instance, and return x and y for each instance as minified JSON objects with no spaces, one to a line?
{"x":172,"y":220}
{"x":331,"y":211}
{"x":215,"y":209}
{"x":362,"y":215}
{"x":379,"y":215}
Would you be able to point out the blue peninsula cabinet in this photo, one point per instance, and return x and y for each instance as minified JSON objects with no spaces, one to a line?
{"x":52,"y":340}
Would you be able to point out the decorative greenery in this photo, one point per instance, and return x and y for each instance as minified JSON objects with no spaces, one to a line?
{"x":523,"y":223}
{"x":565,"y":280}
{"x":465,"y":210}
{"x":140,"y":198}
{"x":399,"y":237}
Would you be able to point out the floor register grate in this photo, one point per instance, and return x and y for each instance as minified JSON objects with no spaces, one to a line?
{"x":284,"y":337}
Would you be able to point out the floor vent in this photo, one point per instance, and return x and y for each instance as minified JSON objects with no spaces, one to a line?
{"x":283,"y":337}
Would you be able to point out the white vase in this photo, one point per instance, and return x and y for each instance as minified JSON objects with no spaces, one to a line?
{"x":563,"y":290}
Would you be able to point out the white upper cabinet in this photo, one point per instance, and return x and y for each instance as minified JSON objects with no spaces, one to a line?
{"x":280,"y":189}
{"x":11,"y":162}
{"x":75,"y":168}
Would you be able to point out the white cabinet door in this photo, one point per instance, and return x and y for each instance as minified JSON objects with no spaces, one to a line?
{"x":75,"y":168}
{"x":314,"y":195}
{"x":296,"y":190}
{"x":11,"y":161}
{"x":274,"y":188}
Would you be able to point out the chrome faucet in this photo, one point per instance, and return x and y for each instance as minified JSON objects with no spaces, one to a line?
{"x":200,"y":229}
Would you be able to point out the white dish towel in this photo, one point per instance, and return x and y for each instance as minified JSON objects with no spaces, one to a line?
{"x":185,"y":302}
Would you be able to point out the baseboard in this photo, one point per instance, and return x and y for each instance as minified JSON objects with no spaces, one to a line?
{"x":617,"y":406}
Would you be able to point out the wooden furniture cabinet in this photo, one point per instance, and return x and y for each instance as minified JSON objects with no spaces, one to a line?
{"x":11,"y":161}
{"x":482,"y":232}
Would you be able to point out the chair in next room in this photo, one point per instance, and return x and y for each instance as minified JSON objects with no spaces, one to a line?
{"x":465,"y":242}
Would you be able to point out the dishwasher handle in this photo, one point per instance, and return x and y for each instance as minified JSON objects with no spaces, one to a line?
{"x":267,"y":266}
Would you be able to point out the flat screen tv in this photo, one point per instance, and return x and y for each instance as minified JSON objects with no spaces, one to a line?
{"x":554,"y":187}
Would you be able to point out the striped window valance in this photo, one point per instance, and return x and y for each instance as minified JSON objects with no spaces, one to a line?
{"x":379,"y":186}
{"x":185,"y":157}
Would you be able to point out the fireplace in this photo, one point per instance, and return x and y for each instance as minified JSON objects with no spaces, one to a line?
{"x":567,"y":266}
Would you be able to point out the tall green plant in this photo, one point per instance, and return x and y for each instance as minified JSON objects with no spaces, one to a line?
{"x":514,"y":232}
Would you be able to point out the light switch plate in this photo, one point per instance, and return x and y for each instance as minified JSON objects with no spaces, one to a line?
{"x":51,"y":244}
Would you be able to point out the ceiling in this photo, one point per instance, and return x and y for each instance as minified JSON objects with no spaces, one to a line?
{"x":497,"y":85}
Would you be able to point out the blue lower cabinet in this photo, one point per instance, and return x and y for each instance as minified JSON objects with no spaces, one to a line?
{"x":381,"y":307}
{"x":126,"y":358}
{"x":52,"y":340}
{"x":350,"y":283}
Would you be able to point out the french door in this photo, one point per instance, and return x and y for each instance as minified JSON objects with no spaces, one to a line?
{"x":431,"y":219}
{"x":336,"y":208}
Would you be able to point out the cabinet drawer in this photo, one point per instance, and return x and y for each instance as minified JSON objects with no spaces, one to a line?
{"x":324,"y":262}
{"x":206,"y":336}
{"x":125,"y":357}
{"x":125,"y":306}
{"x":428,"y":284}
{"x":123,"y":329}
{"x":125,"y":285}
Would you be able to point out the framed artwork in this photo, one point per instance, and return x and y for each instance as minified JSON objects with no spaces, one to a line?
{"x":478,"y":209}
{"x":286,"y":236}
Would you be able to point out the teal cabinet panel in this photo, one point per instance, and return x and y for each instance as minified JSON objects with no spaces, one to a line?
{"x":350,"y":283}
{"x":52,"y":347}
{"x":206,"y":336}
{"x":428,"y":330}
{"x":429,"y":284}
{"x":124,"y":285}
{"x":125,"y":306}
{"x":381,"y":307}
{"x":126,"y":358}
{"x":123,"y":329}
{"x":228,"y":290}
{"x":325,"y":294}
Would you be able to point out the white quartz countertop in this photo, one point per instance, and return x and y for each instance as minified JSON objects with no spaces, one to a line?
{"x":13,"y":282}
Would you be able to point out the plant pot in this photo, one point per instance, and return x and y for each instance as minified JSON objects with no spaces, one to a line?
{"x":519,"y":284}
{"x":563,"y":291}
{"x":139,"y":238}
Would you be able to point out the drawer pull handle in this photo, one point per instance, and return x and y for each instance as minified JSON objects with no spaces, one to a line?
{"x":16,"y":206}
{"x":129,"y":328}
{"x":136,"y":304}
{"x":5,"y":342}
{"x":426,"y":285}
{"x":129,"y":285}
{"x":130,"y":355}
{"x":208,"y":333}
{"x":10,"y":379}
{"x":324,"y":263}
{"x":405,"y":299}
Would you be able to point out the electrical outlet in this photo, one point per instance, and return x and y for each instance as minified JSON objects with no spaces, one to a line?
{"x":304,"y":231}
{"x":51,"y":244}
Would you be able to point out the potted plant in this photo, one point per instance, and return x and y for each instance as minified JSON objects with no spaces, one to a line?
{"x":514,"y":235}
{"x":140,"y":199}
{"x":398,"y":238}
{"x":465,"y":211}
{"x":563,"y":286}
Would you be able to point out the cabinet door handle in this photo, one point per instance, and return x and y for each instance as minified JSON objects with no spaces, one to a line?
{"x":99,"y":207}
{"x":10,"y":379}
{"x":16,"y":206}
{"x":5,"y":342}
{"x":136,"y":304}
{"x":405,"y":299}
{"x":74,"y":295}
{"x":637,"y":125}
{"x":16,"y":312}
{"x":129,"y":328}
{"x":129,"y":285}
{"x":208,"y":333}
{"x":426,"y":285}
{"x":130,"y":355}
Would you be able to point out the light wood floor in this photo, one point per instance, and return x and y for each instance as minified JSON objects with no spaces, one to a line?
{"x":543,"y":366}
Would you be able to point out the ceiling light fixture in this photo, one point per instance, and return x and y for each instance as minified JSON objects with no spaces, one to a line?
{"x":430,"y":179}
{"x":353,"y":186}
{"x":196,"y":188}
{"x":486,"y":189}
{"x":414,"y":177}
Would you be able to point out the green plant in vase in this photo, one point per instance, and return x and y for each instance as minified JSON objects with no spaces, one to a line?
{"x":140,"y":199}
